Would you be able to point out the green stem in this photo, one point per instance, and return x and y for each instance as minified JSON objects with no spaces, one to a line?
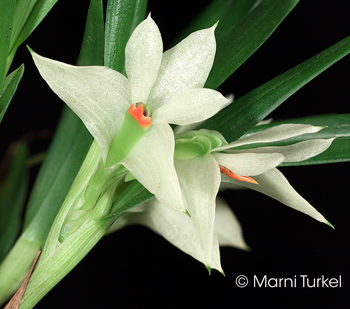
{"x":62,"y":261}
{"x":81,"y":181}
{"x":77,"y":227}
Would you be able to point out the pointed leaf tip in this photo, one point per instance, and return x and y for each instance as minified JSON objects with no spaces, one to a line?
{"x":187,"y":213}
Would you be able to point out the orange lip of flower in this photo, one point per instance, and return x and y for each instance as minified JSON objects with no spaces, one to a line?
{"x":138,"y":112}
{"x":227,"y":172}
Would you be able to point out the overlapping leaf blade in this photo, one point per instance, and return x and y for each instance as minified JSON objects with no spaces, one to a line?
{"x":8,"y":89}
{"x":227,"y":12}
{"x":12,"y":198}
{"x":92,"y":48}
{"x":7,"y":9}
{"x":62,"y":163}
{"x":245,"y":37}
{"x":122,"y":17}
{"x":29,"y":14}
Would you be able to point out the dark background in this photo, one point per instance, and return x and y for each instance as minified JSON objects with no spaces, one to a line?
{"x":135,"y":268}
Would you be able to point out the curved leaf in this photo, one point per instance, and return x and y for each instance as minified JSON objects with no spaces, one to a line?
{"x":67,"y":152}
{"x":7,"y":9}
{"x":245,"y":37}
{"x":28,"y":15}
{"x":9,"y":88}
{"x":122,"y":17}
{"x":92,"y":48}
{"x":12,"y":198}
{"x":227,"y":12}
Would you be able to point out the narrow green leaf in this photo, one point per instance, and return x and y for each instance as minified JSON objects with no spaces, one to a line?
{"x":122,"y":17}
{"x":7,"y":9}
{"x":12,"y":198}
{"x":23,"y":10}
{"x":245,"y":37}
{"x":66,"y":153}
{"x":227,"y":12}
{"x":93,"y":41}
{"x":9,"y":88}
{"x":243,"y":114}
{"x":29,"y":14}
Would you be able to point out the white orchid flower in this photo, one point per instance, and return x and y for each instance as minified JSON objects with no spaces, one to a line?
{"x":201,"y":157}
{"x":180,"y":230}
{"x":170,"y":84}
{"x":272,"y":182}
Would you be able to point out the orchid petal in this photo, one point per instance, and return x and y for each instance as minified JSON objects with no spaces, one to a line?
{"x":178,"y":229}
{"x":275,"y":185}
{"x":143,"y":55}
{"x":296,"y":152}
{"x":227,"y":227}
{"x":193,"y":126}
{"x":200,"y":180}
{"x":273,"y":134}
{"x":185,"y":66}
{"x":151,"y":163}
{"x":192,"y":105}
{"x":249,"y":164}
{"x":98,"y":95}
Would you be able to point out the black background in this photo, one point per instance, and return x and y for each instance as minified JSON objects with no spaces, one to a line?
{"x":135,"y":268}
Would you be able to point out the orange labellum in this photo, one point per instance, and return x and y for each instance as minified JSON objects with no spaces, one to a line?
{"x":227,"y":172}
{"x":138,"y":114}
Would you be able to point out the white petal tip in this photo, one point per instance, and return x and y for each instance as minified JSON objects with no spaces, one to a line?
{"x":31,"y":51}
{"x":230,"y":98}
{"x":215,"y":25}
{"x":319,"y":128}
{"x":246,"y":248}
{"x":209,"y":269}
{"x":330,"y":224}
